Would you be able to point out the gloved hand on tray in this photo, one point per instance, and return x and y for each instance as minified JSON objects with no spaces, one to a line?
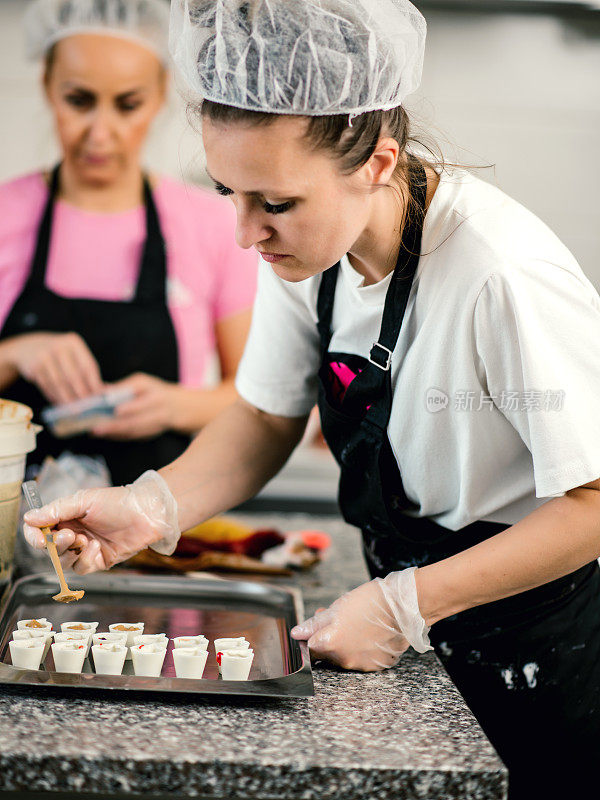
{"x":98,"y":528}
{"x":371,"y":627}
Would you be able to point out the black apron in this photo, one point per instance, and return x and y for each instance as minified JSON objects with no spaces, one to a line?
{"x":529,"y":665}
{"x":124,"y":337}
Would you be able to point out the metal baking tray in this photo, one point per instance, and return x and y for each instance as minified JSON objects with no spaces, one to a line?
{"x":177,"y":606}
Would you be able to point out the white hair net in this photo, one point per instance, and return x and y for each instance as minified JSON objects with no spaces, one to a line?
{"x":306,"y":57}
{"x":143,"y":21}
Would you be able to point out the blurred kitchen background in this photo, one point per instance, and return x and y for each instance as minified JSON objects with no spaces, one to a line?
{"x":513,"y":83}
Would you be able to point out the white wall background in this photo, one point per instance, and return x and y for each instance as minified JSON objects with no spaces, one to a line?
{"x":517,"y":90}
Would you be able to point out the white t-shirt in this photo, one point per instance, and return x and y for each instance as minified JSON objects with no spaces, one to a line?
{"x":496,"y":372}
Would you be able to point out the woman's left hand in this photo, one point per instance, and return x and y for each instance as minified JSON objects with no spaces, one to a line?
{"x":150,"y":413}
{"x":369,"y":628}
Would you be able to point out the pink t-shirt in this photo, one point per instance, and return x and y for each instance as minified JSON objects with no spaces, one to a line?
{"x":97,"y":256}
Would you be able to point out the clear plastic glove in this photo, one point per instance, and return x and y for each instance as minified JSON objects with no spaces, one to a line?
{"x":98,"y":528}
{"x":369,"y":628}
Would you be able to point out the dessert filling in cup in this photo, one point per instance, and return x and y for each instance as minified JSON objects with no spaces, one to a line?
{"x":191,"y":641}
{"x":40,"y":624}
{"x":130,"y":628}
{"x":148,"y":659}
{"x":26,"y":653}
{"x":151,"y":638}
{"x":43,"y":636}
{"x":104,"y":637}
{"x":69,"y":656}
{"x":235,"y":664}
{"x":229,"y":644}
{"x":80,"y":627}
{"x":109,"y":658}
{"x":80,"y":637}
{"x":189,"y":661}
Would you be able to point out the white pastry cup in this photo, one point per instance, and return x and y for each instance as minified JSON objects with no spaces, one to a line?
{"x":148,"y":659}
{"x":106,"y":637}
{"x":229,"y":644}
{"x":33,"y":635}
{"x":22,"y":624}
{"x":109,"y":658}
{"x":75,"y":636}
{"x":235,"y":664}
{"x":26,"y":653}
{"x":69,"y":656}
{"x":189,"y":661}
{"x":191,"y":641}
{"x":138,"y":630}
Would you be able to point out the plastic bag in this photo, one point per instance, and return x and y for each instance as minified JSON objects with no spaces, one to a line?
{"x":58,"y":477}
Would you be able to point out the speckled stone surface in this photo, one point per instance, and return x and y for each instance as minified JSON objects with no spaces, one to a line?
{"x":405,"y":733}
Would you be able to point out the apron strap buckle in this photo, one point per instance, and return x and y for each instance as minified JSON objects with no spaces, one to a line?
{"x":381,"y":356}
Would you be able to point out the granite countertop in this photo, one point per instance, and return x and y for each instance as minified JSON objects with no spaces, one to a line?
{"x":403,"y":733}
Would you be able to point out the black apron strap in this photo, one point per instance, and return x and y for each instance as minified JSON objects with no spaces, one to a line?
{"x":374,"y":381}
{"x":399,"y":291}
{"x":406,"y":268}
{"x":151,"y":286}
{"x":37,"y":275}
{"x":325,"y":305}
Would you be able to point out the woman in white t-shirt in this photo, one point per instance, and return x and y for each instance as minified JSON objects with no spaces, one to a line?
{"x":450,"y":341}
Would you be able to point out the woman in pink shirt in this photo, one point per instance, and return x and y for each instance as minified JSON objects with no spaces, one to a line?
{"x":108,"y":275}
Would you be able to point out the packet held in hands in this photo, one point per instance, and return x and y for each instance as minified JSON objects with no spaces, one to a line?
{"x":71,"y":419}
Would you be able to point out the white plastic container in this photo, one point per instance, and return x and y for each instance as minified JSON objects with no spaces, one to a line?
{"x":109,"y":658}
{"x":189,"y":661}
{"x":148,"y":659}
{"x":229,"y":644}
{"x":43,"y":636}
{"x":235,"y":664}
{"x":17,"y":438}
{"x":69,"y":656}
{"x":75,"y":636}
{"x":130,"y":628}
{"x":191,"y":641}
{"x":26,"y":653}
{"x":40,"y":624}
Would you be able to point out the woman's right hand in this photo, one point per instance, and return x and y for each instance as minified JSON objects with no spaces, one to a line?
{"x":61,"y":365}
{"x":98,"y":528}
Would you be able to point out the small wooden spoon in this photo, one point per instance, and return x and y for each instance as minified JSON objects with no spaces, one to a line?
{"x":65,"y":595}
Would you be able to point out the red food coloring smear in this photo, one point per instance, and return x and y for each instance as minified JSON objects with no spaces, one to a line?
{"x":219,"y":658}
{"x":140,"y":646}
